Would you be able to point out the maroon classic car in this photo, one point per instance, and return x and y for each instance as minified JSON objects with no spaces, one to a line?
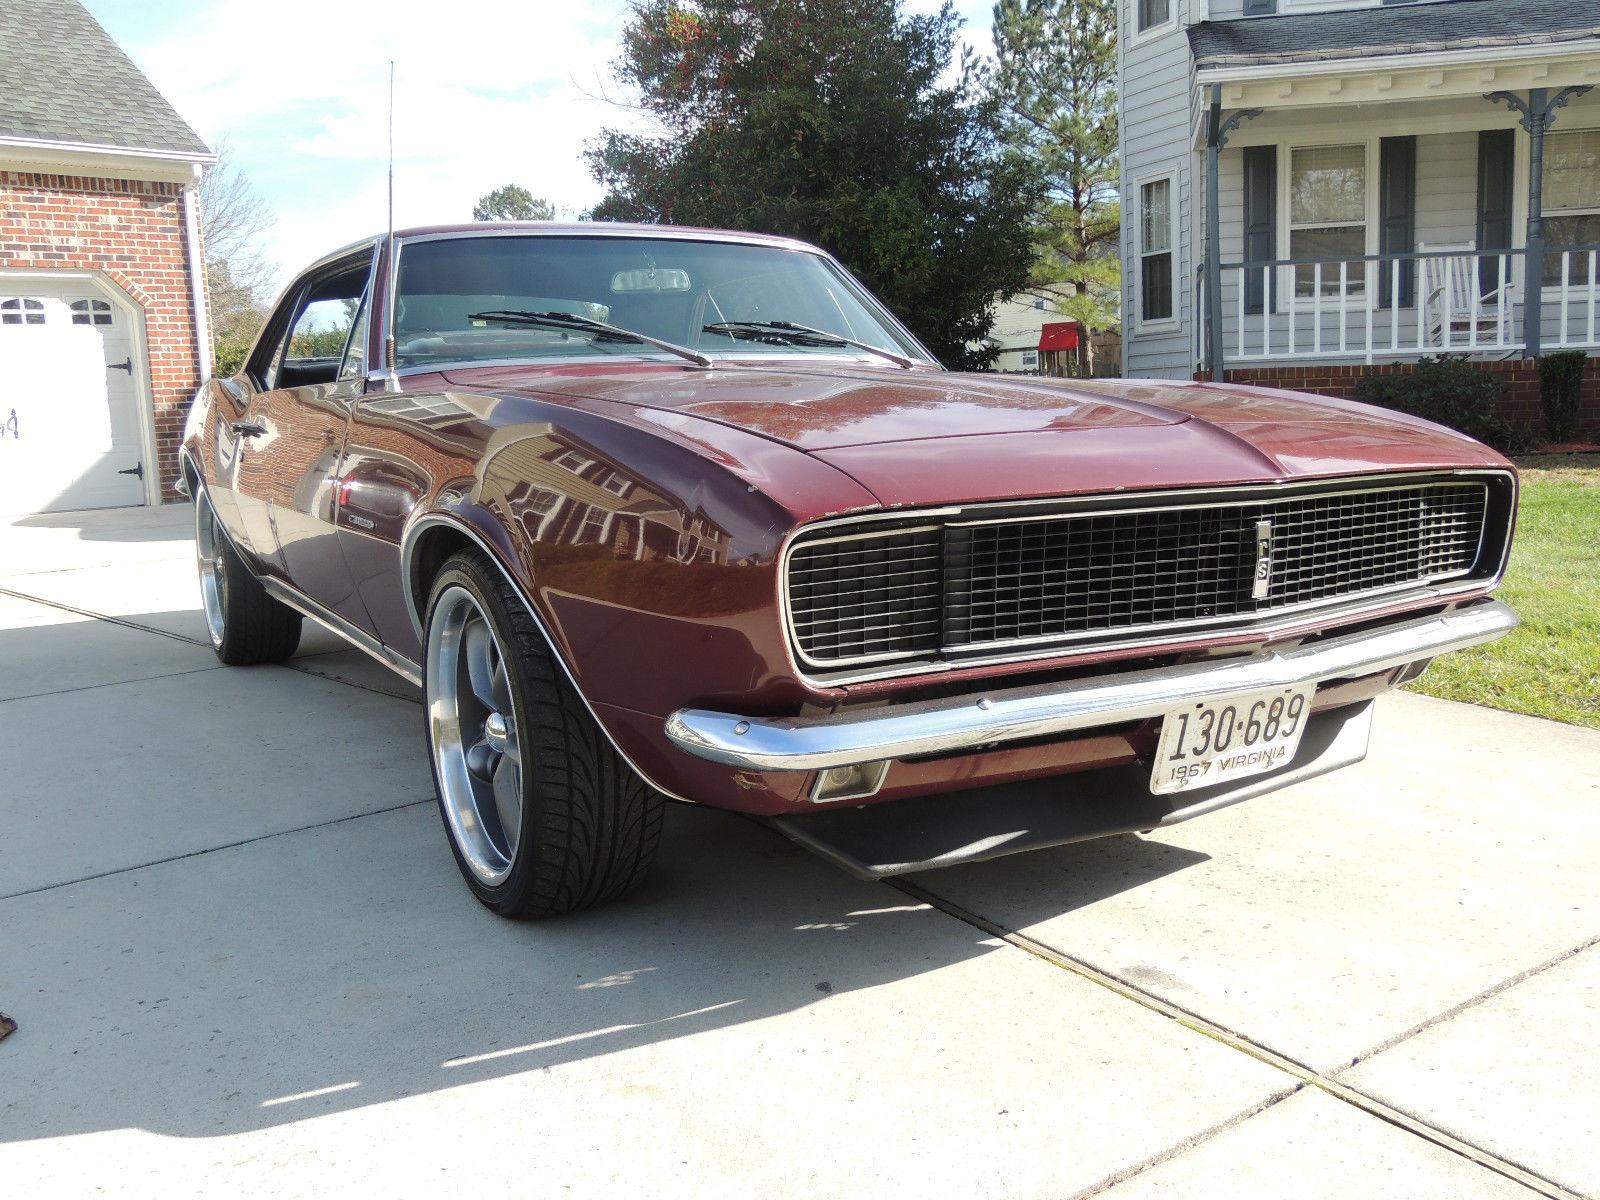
{"x":665,"y":514}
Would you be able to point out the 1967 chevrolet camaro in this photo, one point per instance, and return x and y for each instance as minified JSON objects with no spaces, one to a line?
{"x":656,"y":513}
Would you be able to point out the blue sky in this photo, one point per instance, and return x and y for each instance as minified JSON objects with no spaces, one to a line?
{"x":486,"y":94}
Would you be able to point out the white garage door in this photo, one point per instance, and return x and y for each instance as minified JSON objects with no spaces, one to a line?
{"x":69,"y":405}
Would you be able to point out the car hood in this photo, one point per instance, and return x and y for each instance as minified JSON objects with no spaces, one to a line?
{"x":929,"y":437}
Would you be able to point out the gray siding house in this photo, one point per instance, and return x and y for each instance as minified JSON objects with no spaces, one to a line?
{"x":1313,"y":183}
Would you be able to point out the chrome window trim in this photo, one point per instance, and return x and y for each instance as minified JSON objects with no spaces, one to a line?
{"x":834,"y":673}
{"x":602,"y":229}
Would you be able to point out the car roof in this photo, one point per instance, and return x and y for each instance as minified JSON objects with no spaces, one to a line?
{"x":602,"y":229}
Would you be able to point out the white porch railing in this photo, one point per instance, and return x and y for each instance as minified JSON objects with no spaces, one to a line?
{"x":1451,"y":300}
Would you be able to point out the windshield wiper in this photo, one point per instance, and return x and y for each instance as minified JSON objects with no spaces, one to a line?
{"x":800,"y":335}
{"x":563,"y":320}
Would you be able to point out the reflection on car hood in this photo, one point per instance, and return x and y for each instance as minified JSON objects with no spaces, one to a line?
{"x":930,"y":437}
{"x":814,"y":409}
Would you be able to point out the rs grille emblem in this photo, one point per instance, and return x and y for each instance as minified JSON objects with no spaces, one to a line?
{"x":1263,"y":579}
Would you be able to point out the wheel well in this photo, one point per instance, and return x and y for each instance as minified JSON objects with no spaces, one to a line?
{"x":434,"y":546}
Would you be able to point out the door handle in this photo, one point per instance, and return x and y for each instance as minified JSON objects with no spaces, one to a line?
{"x":248,"y":428}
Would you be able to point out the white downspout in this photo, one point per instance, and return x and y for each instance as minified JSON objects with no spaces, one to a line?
{"x":197,"y":275}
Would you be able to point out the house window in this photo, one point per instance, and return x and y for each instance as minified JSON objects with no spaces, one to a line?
{"x":573,"y":461}
{"x":1571,"y":199}
{"x":90,"y":312}
{"x":596,"y":524}
{"x":21,"y":312}
{"x":1030,"y":360}
{"x":415,"y":408}
{"x":1328,"y":215}
{"x":536,"y":509}
{"x":1156,"y":211}
{"x":617,"y":485}
{"x":1153,"y":13}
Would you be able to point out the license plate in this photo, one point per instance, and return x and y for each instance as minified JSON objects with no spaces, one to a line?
{"x":1213,"y":741}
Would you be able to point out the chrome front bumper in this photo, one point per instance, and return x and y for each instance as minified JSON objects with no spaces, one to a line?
{"x":979,"y":721}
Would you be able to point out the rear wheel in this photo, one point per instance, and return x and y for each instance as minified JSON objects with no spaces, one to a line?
{"x":247,"y":626}
{"x":543,"y":815}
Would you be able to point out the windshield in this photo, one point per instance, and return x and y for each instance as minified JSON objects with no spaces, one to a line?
{"x":703,"y":295}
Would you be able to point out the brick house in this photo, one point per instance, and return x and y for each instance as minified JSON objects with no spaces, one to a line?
{"x":103,"y":329}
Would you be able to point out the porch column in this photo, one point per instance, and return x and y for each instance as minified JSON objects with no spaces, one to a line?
{"x":1217,"y":131}
{"x":1214,"y":240}
{"x":1538,"y":114}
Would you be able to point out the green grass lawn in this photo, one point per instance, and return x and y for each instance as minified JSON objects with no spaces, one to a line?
{"x":1550,"y":667}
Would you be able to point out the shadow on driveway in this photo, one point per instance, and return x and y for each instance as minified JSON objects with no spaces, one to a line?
{"x":330,"y":969}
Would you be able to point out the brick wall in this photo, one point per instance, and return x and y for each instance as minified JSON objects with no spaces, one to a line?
{"x":1519,"y":404}
{"x":132,"y":231}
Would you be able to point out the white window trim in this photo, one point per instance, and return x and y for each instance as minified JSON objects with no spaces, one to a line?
{"x":1286,"y":151}
{"x":1306,"y":6}
{"x":589,"y":516}
{"x":583,"y":464}
{"x":1160,"y":324}
{"x":1138,"y":37}
{"x":1557,"y":131}
{"x":548,"y":516}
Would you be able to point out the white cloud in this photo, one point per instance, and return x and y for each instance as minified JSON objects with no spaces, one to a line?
{"x":485,"y":95}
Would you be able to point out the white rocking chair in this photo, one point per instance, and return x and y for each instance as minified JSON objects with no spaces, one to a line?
{"x":1448,"y":288}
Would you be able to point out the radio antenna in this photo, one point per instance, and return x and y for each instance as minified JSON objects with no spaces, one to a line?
{"x":391,"y":379}
{"x":391,"y":153}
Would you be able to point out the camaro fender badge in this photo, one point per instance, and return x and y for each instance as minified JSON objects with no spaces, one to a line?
{"x":1263,"y":579}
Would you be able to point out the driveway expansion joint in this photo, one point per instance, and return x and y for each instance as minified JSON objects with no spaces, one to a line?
{"x":1467,"y":1005}
{"x":112,"y":683}
{"x":99,"y":616}
{"x":249,"y":841}
{"x":1307,"y":1075}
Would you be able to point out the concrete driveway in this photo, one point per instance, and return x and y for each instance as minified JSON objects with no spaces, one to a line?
{"x":242,"y":962}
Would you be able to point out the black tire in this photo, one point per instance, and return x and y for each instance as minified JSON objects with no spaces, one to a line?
{"x":589,"y":826}
{"x":247,"y":626}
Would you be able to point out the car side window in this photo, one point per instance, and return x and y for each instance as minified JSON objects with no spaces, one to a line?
{"x":318,"y":331}
{"x":355,"y":351}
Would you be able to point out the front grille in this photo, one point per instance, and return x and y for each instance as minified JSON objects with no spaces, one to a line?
{"x":965,"y":584}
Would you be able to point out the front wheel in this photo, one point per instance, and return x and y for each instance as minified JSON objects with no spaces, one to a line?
{"x":247,"y":626}
{"x":542,"y":813}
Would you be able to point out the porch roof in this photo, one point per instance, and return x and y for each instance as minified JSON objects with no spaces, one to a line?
{"x":1392,"y":30}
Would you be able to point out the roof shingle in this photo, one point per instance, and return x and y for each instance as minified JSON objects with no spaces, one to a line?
{"x":63,"y":79}
{"x":1392,"y":29}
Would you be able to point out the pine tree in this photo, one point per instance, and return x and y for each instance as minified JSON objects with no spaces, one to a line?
{"x":1056,"y":75}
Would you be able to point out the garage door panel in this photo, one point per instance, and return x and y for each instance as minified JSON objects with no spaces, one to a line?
{"x":70,"y":421}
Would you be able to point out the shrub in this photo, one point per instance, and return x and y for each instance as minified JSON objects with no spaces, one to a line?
{"x":230,"y":350}
{"x":1560,"y":386}
{"x":1451,"y":391}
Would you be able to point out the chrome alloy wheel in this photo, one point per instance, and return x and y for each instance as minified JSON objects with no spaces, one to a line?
{"x":473,"y":727}
{"x":210,"y":545}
